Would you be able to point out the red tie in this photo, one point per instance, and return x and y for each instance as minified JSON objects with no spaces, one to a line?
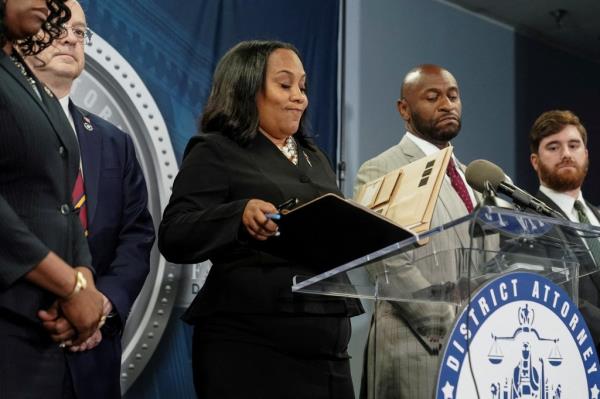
{"x":78,"y":198}
{"x":459,"y":185}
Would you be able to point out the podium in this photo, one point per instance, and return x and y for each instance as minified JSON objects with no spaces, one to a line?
{"x":488,"y":308}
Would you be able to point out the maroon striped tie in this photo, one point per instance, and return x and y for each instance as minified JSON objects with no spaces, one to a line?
{"x":79,"y":201}
{"x":459,"y":185}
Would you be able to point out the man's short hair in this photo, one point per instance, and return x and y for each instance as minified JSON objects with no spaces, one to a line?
{"x":552,"y":122}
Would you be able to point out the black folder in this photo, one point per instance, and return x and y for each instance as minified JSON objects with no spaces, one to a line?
{"x":330,"y":231}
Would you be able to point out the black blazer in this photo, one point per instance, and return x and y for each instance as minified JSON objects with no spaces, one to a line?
{"x":589,"y":286}
{"x":203,"y":221}
{"x":39,"y":161}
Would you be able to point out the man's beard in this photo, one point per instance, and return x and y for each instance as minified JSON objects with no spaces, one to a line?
{"x":429,"y":130}
{"x":563,"y":180}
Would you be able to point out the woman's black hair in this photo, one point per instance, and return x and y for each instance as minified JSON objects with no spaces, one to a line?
{"x":51,"y":30}
{"x":240,"y":75}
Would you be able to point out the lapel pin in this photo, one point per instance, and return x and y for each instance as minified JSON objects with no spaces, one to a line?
{"x":87,"y":124}
{"x":307,"y":159}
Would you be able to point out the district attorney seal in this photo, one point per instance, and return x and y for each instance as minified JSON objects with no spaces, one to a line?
{"x":524,"y":338}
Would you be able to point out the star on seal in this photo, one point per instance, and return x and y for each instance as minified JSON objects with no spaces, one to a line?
{"x":448,"y":391}
{"x":594,"y":391}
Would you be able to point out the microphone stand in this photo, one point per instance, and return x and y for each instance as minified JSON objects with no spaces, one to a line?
{"x":489,"y":195}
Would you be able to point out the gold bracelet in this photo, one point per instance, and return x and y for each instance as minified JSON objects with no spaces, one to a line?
{"x":80,"y":284}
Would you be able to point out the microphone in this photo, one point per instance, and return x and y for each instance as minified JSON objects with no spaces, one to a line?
{"x":481,"y":173}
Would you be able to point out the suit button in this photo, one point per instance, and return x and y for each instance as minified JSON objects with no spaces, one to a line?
{"x":62,"y":152}
{"x":65,"y":209}
{"x":304,"y":179}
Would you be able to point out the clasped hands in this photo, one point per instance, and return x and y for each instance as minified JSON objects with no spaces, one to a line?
{"x":75,"y":321}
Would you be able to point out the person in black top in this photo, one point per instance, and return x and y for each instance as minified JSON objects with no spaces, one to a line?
{"x":252,"y":337}
{"x":45,"y":265}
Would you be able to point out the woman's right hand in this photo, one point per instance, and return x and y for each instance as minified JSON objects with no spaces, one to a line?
{"x":255,"y":220}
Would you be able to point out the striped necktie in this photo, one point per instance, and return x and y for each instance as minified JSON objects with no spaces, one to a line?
{"x":79,"y":201}
{"x":592,"y":242}
{"x":459,"y":185}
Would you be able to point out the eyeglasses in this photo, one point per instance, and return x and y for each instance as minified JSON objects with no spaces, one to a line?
{"x":83,"y":34}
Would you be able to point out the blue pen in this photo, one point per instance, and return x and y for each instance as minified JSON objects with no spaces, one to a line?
{"x":274,"y":216}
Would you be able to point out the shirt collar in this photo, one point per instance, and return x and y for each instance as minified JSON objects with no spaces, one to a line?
{"x":428,"y":148}
{"x":564,"y":201}
{"x":424,"y":145}
{"x":64,"y":103}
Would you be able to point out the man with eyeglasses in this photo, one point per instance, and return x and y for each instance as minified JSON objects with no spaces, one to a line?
{"x":111,"y":198}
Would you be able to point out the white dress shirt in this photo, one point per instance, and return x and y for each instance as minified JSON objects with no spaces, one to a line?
{"x":566,"y":203}
{"x":64,"y":103}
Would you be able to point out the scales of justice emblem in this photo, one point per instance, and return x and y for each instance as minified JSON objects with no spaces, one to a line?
{"x":521,"y":337}
{"x":528,"y":379}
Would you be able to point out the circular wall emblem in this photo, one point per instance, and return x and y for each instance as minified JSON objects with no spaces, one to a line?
{"x":520,"y":338}
{"x":109,"y":87}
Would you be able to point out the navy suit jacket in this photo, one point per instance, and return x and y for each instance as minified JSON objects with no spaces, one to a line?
{"x":121,"y":235}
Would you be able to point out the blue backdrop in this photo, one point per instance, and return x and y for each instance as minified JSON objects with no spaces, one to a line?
{"x":174,"y":47}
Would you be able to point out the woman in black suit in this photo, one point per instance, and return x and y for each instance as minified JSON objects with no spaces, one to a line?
{"x":43,"y":252}
{"x":252,"y":337}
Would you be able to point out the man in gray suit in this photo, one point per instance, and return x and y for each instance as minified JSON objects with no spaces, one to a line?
{"x":403,"y":350}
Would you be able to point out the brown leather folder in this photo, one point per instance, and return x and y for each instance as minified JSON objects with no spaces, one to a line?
{"x":331,"y":231}
{"x":408,"y":195}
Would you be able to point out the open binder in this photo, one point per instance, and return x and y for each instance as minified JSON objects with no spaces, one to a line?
{"x":330,"y":231}
{"x":408,"y":194}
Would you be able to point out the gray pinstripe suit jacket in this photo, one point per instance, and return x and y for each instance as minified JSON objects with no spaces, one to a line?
{"x":408,"y":336}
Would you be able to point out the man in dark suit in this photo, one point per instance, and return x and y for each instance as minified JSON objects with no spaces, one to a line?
{"x":119,"y":227}
{"x":559,"y":155}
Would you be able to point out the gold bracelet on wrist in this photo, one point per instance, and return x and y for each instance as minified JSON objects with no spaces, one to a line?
{"x":80,"y":284}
